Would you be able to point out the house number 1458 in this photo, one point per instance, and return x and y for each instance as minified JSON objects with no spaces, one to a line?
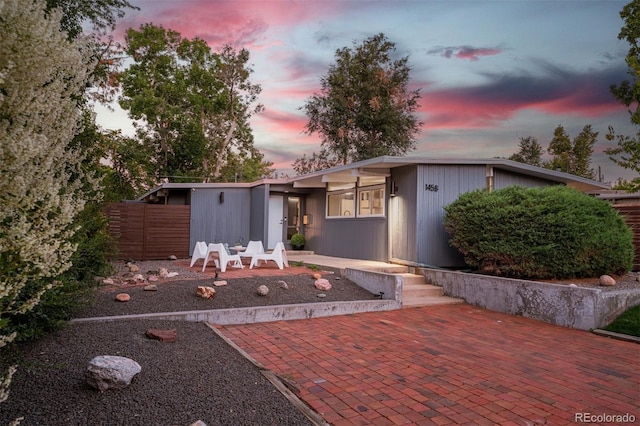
{"x":431,"y":187}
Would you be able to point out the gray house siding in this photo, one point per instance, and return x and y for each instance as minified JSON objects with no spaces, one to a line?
{"x":355,"y":238}
{"x":219,"y":222}
{"x":402,"y":214}
{"x":258,"y":215}
{"x":504,"y":178}
{"x":451,"y":181}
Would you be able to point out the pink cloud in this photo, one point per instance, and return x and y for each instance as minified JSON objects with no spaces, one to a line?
{"x":465,"y":52}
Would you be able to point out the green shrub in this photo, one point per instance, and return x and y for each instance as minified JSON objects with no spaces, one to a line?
{"x":544,"y":232}
{"x":298,"y":240}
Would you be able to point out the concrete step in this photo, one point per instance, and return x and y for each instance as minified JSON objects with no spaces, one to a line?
{"x":430,"y":301}
{"x":416,"y":292}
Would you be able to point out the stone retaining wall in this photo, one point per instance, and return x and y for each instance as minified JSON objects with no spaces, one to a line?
{"x":576,"y":307}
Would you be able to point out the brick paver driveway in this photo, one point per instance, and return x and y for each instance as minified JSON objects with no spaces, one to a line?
{"x":454,"y":364}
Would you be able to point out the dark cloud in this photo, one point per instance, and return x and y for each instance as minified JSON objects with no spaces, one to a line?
{"x":465,"y":52}
{"x":555,"y":90}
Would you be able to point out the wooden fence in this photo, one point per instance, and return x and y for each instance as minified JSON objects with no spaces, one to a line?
{"x":150,"y":231}
{"x":631,"y":214}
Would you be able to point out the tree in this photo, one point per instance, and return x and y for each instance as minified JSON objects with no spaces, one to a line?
{"x":572,"y":156}
{"x":626,"y":155}
{"x":530,"y":152}
{"x":627,"y":152}
{"x":317,"y":161}
{"x":42,"y":79}
{"x":194,"y":105}
{"x":628,"y":92}
{"x":365,"y":108}
{"x":100,"y":13}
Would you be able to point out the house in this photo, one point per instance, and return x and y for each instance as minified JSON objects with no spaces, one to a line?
{"x":385,"y":208}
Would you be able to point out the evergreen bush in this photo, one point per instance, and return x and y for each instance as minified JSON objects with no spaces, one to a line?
{"x":539,"y":233}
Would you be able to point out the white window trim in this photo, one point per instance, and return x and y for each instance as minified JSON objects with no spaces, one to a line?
{"x":370,"y":189}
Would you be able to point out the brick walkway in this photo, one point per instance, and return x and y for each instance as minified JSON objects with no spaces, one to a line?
{"x":454,"y":364}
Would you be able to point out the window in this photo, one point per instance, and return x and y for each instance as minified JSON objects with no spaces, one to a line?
{"x":341,"y":203}
{"x":371,"y":201}
{"x":349,"y":200}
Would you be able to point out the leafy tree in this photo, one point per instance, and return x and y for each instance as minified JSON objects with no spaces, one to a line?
{"x":572,"y":156}
{"x":42,"y":79}
{"x":365,"y":108}
{"x":317,"y":161}
{"x":626,"y":155}
{"x":530,"y":152}
{"x":194,"y":105}
{"x":627,"y":152}
{"x":101,"y":14}
{"x":628,"y":92}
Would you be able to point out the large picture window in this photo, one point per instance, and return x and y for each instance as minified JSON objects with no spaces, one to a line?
{"x":349,"y":200}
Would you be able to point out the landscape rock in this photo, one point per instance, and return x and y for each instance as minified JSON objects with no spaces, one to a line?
{"x":322,"y":295}
{"x":263,"y":290}
{"x":206,"y":292}
{"x":108,"y":281}
{"x":107,"y":371}
{"x":133,"y":268}
{"x":219,"y":283}
{"x":323,"y":284}
{"x":283,"y":285}
{"x":172,"y":274}
{"x":150,"y":287}
{"x":607,"y":280}
{"x":167,"y":336}
{"x":198,"y":423}
{"x":152,"y":278}
{"x":163,"y":272}
{"x":123,"y":297}
{"x":138,"y":277}
{"x":173,"y":257}
{"x":316,"y":276}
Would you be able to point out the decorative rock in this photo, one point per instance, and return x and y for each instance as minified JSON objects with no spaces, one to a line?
{"x":323,"y":284}
{"x":198,"y":423}
{"x":107,"y":371}
{"x":219,"y":283}
{"x":172,"y":274}
{"x":167,"y":336}
{"x":172,"y":257}
{"x":206,"y":292}
{"x":133,"y":268}
{"x":283,"y":285}
{"x":316,"y":276}
{"x":263,"y":290}
{"x":108,"y":281}
{"x":150,"y":287}
{"x":152,"y":278}
{"x":123,"y":297}
{"x":138,"y":277}
{"x":572,"y":285}
{"x":607,"y":280}
{"x":163,"y":272}
{"x":322,"y":295}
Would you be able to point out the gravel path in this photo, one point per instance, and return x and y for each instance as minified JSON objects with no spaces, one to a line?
{"x":197,"y":377}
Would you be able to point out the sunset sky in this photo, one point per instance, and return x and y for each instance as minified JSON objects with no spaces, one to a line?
{"x":489,"y":72}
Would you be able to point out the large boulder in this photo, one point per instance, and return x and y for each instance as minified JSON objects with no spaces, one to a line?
{"x":111,"y":372}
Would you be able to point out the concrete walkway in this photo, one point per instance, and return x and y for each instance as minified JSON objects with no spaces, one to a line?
{"x":310,"y":258}
{"x":450,"y":364}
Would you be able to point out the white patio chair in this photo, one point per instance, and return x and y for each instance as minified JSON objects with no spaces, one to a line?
{"x":199,"y":252}
{"x":223,"y":259}
{"x":278,"y":255}
{"x":253,"y":247}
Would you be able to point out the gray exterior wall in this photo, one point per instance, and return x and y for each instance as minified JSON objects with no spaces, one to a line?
{"x":452,"y":181}
{"x":258,"y":214}
{"x":354,"y":238}
{"x":504,"y":178}
{"x":216,"y":222}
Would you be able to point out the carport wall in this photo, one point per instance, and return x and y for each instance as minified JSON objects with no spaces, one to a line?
{"x":220,"y":215}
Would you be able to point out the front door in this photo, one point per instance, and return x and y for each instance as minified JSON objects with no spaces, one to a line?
{"x":277,"y":220}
